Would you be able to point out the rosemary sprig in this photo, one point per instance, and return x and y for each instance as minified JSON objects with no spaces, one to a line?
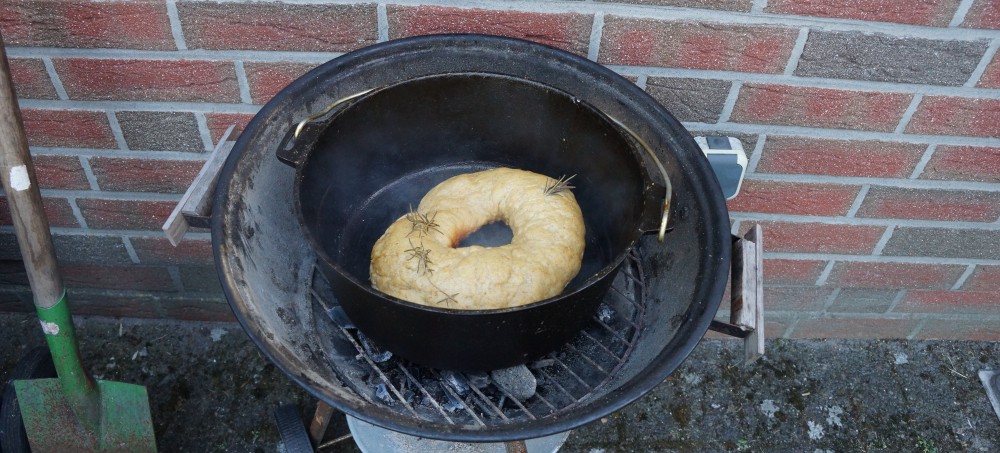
{"x":448,"y":298}
{"x":559,"y":186}
{"x":422,"y":256}
{"x":421,"y":223}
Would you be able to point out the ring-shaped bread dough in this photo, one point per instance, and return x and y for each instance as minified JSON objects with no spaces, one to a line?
{"x":418,"y":258}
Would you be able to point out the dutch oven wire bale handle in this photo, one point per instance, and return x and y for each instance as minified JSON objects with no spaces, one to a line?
{"x":664,"y":213}
{"x":297,"y":143}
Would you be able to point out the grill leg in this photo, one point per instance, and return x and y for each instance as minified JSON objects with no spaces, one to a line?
{"x":321,"y":419}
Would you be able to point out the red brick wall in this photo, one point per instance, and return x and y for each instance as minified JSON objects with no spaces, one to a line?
{"x":872,"y":127}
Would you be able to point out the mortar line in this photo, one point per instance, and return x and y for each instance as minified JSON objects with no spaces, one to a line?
{"x":206,"y":134}
{"x":382,"y":22}
{"x":730,"y":104}
{"x":755,"y":155}
{"x":116,"y":130}
{"x":901,"y":315}
{"x":830,"y":300}
{"x":924,"y":159}
{"x":640,"y":81}
{"x":757,"y":6}
{"x":908,"y":113}
{"x":823,"y":276}
{"x":54,"y":78}
{"x":171,"y":55}
{"x":596,"y":33}
{"x":962,"y":278}
{"x":861,"y":221}
{"x":884,"y":240}
{"x":140,"y":106}
{"x":175,"y":277}
{"x":794,"y":256}
{"x":960,"y":13}
{"x":791,"y":327}
{"x":88,"y":171}
{"x":890,"y":182}
{"x":146,"y":234}
{"x":858,"y":200}
{"x":107,"y":195}
{"x":917,"y":329}
{"x":796,"y":55}
{"x":895,"y":301}
{"x":175,"y":25}
{"x":243,"y":82}
{"x":89,"y":152}
{"x":130,"y":249}
{"x":977,"y":74}
{"x":840,"y":134}
{"x":77,"y":213}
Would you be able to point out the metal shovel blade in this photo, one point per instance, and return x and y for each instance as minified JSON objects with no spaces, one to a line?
{"x":52,"y":426}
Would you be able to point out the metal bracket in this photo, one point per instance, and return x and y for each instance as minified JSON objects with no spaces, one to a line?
{"x":195,"y":207}
{"x":746,"y":316}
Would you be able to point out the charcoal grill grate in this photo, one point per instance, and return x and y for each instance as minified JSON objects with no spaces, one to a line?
{"x":565,"y":378}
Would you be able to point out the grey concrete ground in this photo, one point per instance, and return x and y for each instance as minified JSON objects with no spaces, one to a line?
{"x":211,"y":391}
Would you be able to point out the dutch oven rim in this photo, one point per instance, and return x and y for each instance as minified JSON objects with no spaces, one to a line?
{"x":669,"y":357}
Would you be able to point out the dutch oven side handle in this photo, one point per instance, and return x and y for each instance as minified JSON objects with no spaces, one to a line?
{"x":295,"y":146}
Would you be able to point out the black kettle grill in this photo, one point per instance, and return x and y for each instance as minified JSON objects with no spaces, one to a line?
{"x":376,"y":128}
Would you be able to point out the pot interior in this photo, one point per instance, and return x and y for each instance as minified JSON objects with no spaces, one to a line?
{"x":379,"y":156}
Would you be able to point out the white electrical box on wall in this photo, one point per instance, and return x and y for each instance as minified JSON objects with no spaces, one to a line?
{"x":728,"y":160}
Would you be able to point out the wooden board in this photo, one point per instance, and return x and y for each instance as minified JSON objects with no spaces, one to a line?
{"x":197,"y":201}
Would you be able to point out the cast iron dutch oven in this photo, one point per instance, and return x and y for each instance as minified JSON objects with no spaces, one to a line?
{"x":369,"y":133}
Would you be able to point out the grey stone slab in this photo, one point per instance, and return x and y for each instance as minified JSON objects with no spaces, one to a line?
{"x":161,"y":131}
{"x":944,"y":242}
{"x":884,"y":58}
{"x":698,"y":100}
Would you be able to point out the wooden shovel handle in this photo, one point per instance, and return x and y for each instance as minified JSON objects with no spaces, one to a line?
{"x":21,"y":188}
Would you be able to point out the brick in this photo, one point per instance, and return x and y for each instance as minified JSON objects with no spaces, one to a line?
{"x":944,"y":242}
{"x":946,"y":115}
{"x":696,"y":45}
{"x":12,"y":273}
{"x":792,"y":272}
{"x":125,"y":214}
{"x":885,"y":58}
{"x":31,"y":80}
{"x":820,"y":107}
{"x":794,"y":198}
{"x":201,"y":279}
{"x":567,"y":31}
{"x":161,"y":131}
{"x":219,"y":122}
{"x":157,"y":250}
{"x":854,"y":328}
{"x":87,"y":302}
{"x":964,"y":163}
{"x":931,"y":204}
{"x":58,"y":211}
{"x":13,"y":300}
{"x":894,"y":275}
{"x":68,"y":128}
{"x":820,"y":237}
{"x":871,"y":159}
{"x":951,"y":329}
{"x":190,"y":309}
{"x":144,"y":175}
{"x":863,"y":300}
{"x":795,"y":298}
{"x":77,"y":23}
{"x":89,"y":249}
{"x":731,"y":5}
{"x":925,"y":12}
{"x":277,"y":26}
{"x":140,"y":278}
{"x":148,"y":80}
{"x":696,"y":100}
{"x":983,"y":278}
{"x":991,"y":76}
{"x":59,"y":172}
{"x":267,"y":79}
{"x":983,"y":14}
{"x":950,"y":302}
